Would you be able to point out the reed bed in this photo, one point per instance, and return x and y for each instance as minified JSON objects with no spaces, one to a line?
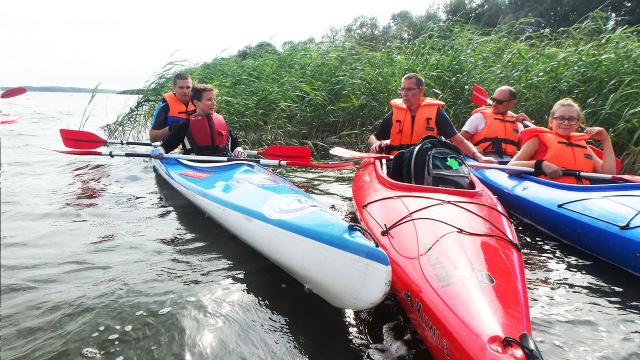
{"x":335,"y":91}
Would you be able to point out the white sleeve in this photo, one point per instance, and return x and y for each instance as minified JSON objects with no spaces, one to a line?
{"x":475,"y":123}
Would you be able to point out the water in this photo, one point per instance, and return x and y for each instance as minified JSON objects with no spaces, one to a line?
{"x":102,"y":258}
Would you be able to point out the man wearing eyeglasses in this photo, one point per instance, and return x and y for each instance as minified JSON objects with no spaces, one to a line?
{"x":494,"y":130}
{"x":412,"y":117}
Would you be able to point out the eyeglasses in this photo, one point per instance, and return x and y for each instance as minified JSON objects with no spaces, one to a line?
{"x":401,"y":90}
{"x":498,"y":101}
{"x":572,"y":120}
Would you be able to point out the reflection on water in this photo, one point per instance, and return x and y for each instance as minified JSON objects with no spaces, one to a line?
{"x":87,"y":184}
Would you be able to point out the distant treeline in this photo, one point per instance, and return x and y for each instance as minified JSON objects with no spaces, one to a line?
{"x":77,"y":90}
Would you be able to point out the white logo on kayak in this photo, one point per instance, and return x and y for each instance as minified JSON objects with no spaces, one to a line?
{"x":288,"y":206}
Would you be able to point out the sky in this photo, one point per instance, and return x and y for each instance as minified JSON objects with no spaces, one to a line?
{"x":123,"y":44}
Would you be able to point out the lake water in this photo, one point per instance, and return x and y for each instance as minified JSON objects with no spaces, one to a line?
{"x":102,"y":258}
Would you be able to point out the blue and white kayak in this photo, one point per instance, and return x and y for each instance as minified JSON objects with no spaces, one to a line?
{"x":288,"y":226}
{"x":602,"y":219}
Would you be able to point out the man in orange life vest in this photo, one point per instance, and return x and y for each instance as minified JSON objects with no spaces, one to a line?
{"x":412,"y":117}
{"x":494,"y":130}
{"x":202,"y":133}
{"x":176,"y":106}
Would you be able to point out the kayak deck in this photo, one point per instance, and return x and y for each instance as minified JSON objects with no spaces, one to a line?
{"x":288,"y":226}
{"x":602,"y":219}
{"x":457,"y":267}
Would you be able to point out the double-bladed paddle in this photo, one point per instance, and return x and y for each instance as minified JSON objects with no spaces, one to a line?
{"x":332,"y":166}
{"x":85,"y":140}
{"x":346,"y":153}
{"x":578,"y":174}
{"x":9,"y":93}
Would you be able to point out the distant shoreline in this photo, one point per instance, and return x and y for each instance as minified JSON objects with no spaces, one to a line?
{"x":77,"y":90}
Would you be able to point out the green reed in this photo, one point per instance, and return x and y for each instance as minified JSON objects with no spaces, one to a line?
{"x":335,"y":91}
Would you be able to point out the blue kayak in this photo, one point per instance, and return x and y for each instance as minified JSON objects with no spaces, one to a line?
{"x":602,"y":219}
{"x":288,"y":226}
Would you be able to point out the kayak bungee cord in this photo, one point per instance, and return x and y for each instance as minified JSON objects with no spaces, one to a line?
{"x":624,"y":226}
{"x":365,"y":232}
{"x":386,"y":229}
{"x":531,"y":352}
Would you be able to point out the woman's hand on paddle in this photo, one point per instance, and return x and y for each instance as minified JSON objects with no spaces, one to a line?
{"x":551,"y":170}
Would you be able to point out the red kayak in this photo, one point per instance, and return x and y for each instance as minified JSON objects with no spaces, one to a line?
{"x":8,"y":119}
{"x":457,"y":266}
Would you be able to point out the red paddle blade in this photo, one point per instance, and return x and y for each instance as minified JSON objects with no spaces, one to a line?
{"x":77,"y":139}
{"x":287,"y":152}
{"x":627,"y":178}
{"x":479,"y":96}
{"x":346,"y":153}
{"x":9,"y":93}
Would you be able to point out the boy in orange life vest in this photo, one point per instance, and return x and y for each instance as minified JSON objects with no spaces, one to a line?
{"x":494,"y":130}
{"x":412,"y":117}
{"x":203,"y":133}
{"x":559,"y":147}
{"x":175,"y":107}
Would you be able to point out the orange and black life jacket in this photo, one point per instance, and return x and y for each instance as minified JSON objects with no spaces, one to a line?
{"x":405,"y":132}
{"x":570,"y":154}
{"x":499,"y":135}
{"x":177,"y":110}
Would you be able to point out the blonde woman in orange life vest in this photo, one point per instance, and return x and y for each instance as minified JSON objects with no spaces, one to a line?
{"x":558,"y":147}
{"x":414,"y":116}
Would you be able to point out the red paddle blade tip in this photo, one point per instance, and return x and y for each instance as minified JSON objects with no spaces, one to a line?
{"x":13,"y":92}
{"x":76,"y":152}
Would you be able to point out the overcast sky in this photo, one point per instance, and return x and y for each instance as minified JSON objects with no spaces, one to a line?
{"x":123,"y":44}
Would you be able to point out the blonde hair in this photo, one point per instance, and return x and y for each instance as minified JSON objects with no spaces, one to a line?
{"x":566,"y":102}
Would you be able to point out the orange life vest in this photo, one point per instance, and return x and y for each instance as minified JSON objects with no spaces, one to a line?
{"x":404,"y":134}
{"x":177,"y":110}
{"x":570,"y":154}
{"x":208,"y":135}
{"x":499,"y":135}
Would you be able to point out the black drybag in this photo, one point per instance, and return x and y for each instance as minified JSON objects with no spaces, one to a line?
{"x":435,"y":162}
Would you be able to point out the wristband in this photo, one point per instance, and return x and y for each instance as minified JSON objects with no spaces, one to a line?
{"x":537,"y":167}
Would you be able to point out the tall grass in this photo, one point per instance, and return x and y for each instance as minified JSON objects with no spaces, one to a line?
{"x":335,"y":91}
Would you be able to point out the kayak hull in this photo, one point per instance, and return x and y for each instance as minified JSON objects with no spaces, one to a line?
{"x":288,"y":226}
{"x":602,"y":219}
{"x":457,"y":266}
